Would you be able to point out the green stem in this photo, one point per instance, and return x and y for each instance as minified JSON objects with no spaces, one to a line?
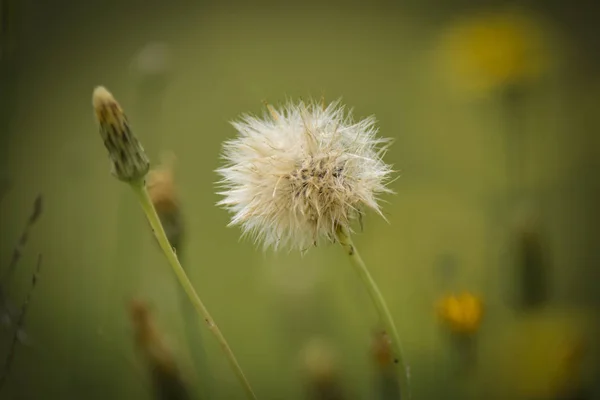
{"x":140,"y":190}
{"x":381,"y":306}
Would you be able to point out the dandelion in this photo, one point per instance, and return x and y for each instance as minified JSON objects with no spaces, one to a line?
{"x":502,"y":53}
{"x":131,"y":165}
{"x":304,"y":174}
{"x":542,"y":355}
{"x":494,"y":50}
{"x":462,"y":314}
{"x":298,"y":177}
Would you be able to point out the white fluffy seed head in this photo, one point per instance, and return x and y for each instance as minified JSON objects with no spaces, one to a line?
{"x":297,"y":175}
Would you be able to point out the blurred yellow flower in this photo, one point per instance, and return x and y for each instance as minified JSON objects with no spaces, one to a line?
{"x":493,"y":50}
{"x":461,"y":313}
{"x":541,"y":355}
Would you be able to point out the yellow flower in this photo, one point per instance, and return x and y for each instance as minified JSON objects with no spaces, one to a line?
{"x":462,"y":313}
{"x":540,"y":355}
{"x":493,"y":50}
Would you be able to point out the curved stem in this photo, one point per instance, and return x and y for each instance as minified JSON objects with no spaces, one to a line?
{"x":140,"y":190}
{"x":381,"y":306}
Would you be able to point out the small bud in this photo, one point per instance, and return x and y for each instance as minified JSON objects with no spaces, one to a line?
{"x":319,"y":360}
{"x":321,"y":367}
{"x":382,"y":350}
{"x":167,"y":379}
{"x":129,"y":160}
{"x":160,"y":183}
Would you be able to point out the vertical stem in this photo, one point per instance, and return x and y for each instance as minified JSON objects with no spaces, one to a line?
{"x":513,"y":103}
{"x":150,"y":91}
{"x":193,"y":336}
{"x":388,"y":387}
{"x":527,"y":250}
{"x":381,"y":306}
{"x":142,"y":194}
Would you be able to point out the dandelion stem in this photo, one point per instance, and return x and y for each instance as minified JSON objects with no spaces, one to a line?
{"x":381,"y":306}
{"x":139,"y":188}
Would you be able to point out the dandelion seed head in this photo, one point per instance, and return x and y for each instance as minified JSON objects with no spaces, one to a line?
{"x":296,"y":175}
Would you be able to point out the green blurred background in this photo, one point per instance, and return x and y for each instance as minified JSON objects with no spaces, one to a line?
{"x":450,"y":224}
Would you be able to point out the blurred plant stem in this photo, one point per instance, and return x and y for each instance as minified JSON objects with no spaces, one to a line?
{"x":166,"y":377}
{"x":381,"y":306}
{"x":150,"y":90}
{"x":10,"y":66}
{"x":513,"y":104}
{"x":387,"y":383}
{"x":387,"y":387}
{"x":191,"y":327}
{"x":160,"y":183}
{"x":139,"y":189}
{"x":528,"y":256}
{"x":129,"y":253}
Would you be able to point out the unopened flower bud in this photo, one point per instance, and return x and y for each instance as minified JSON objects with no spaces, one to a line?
{"x":128,"y":158}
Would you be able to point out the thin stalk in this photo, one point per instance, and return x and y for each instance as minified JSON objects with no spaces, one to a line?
{"x":193,"y":336}
{"x":142,"y":194}
{"x":513,"y":103}
{"x":381,"y":306}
